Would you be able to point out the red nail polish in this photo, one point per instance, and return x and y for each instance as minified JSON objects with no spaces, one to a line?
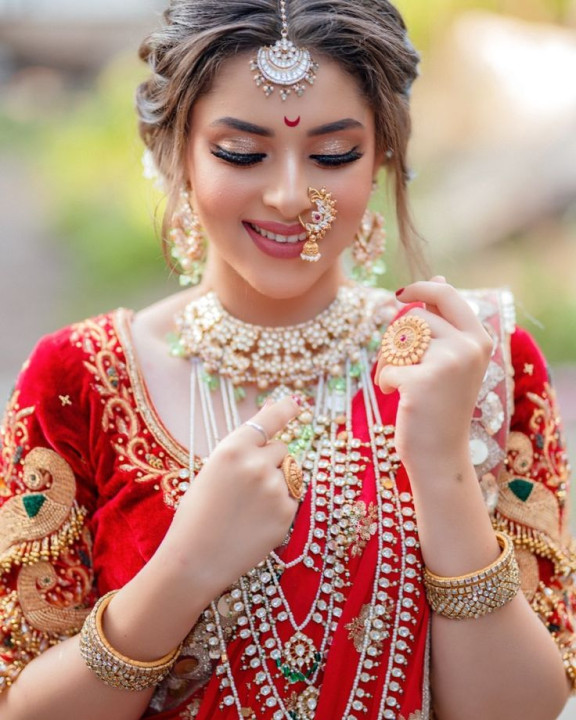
{"x":298,"y":400}
{"x":399,"y":292}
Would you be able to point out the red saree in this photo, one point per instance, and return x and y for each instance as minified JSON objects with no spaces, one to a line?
{"x":89,"y":479}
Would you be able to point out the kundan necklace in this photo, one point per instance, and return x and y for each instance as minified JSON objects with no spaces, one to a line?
{"x":284,"y":648}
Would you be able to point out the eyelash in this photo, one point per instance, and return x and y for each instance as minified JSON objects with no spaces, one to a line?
{"x":249,"y":159}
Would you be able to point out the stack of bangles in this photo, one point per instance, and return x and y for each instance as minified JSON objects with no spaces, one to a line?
{"x":110,"y":666}
{"x":479,"y":593}
{"x":458,"y":598}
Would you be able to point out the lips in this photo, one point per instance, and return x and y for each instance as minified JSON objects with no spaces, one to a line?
{"x":276,"y":240}
{"x":281,"y":234}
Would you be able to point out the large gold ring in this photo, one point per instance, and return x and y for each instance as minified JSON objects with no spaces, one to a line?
{"x":406,"y":341}
{"x":293,"y":476}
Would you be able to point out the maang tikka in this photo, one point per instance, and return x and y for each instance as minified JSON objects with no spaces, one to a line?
{"x":283,"y":65}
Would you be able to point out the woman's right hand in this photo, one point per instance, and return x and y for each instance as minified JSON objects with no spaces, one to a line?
{"x":238,"y":507}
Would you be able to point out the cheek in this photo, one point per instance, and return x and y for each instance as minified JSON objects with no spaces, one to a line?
{"x":351,"y":205}
{"x":215,"y":194}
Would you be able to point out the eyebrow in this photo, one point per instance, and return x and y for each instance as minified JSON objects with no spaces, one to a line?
{"x":338,"y":126}
{"x":243,"y":126}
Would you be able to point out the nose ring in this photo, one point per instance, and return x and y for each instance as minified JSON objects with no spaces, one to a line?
{"x":322,"y":219}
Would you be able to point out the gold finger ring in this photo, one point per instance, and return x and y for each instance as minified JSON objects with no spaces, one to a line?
{"x":258,"y":429}
{"x":293,"y":476}
{"x":406,"y":341}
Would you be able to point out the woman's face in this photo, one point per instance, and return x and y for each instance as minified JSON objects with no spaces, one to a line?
{"x":251,"y":161}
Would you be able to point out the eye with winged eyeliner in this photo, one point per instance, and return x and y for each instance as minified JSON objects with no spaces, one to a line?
{"x":248,"y":159}
{"x":235,"y":158}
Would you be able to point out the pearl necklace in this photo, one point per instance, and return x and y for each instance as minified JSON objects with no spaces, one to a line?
{"x":292,"y":356}
{"x":280,"y":652}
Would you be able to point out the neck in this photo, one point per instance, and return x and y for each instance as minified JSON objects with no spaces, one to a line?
{"x":257,"y":307}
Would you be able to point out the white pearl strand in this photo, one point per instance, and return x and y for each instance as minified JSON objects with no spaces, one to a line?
{"x":268,"y":689}
{"x":329,"y":577}
{"x":403,"y":617}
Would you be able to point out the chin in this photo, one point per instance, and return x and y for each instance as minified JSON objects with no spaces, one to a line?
{"x":286,"y":287}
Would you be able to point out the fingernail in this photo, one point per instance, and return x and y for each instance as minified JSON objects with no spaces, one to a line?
{"x":298,"y":400}
{"x":399,"y":292}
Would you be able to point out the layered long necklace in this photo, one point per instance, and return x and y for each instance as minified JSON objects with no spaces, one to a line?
{"x":327,"y":361}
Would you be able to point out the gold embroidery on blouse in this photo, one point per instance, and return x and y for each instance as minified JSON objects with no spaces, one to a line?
{"x":45,"y":609}
{"x":14,"y":440}
{"x":529,"y":572}
{"x":33,"y":583}
{"x":551,"y":457}
{"x":17,"y":638}
{"x":552,"y":604}
{"x":532,"y":492}
{"x":41,"y":523}
{"x":137,"y":452}
{"x":533,"y":486}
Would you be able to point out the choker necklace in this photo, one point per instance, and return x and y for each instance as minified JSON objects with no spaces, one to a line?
{"x":282,"y":629}
{"x":293,"y":356}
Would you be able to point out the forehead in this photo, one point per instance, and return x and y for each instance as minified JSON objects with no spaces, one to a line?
{"x":335,"y":94}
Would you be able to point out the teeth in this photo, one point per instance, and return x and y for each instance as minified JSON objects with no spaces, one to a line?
{"x":280,"y":238}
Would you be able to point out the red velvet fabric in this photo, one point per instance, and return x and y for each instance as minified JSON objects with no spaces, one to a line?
{"x":76,"y":396}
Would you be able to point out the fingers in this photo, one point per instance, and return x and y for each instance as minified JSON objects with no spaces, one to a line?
{"x":270,"y":420}
{"x":441,"y":299}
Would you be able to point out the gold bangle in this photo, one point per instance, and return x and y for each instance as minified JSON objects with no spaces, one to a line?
{"x":110,"y":666}
{"x":479,"y":593}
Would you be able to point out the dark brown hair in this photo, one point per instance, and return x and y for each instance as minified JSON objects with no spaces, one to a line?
{"x":366,"y":37}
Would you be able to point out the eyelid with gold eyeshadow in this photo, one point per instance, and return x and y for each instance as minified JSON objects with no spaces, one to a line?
{"x":242,"y":159}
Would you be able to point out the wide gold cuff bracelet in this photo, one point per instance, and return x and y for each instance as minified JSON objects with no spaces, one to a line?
{"x":113,"y":668}
{"x":479,"y":593}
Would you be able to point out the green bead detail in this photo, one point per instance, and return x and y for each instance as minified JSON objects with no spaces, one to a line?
{"x":337,"y":384}
{"x":355,"y":370}
{"x":175,"y":345}
{"x":212,"y":381}
{"x":521,"y":488}
{"x":33,"y":504}
{"x":239,"y":393}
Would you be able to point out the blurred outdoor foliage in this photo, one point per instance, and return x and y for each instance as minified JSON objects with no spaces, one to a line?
{"x":88,"y":155}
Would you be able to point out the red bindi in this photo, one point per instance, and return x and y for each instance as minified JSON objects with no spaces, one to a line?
{"x":292,"y":123}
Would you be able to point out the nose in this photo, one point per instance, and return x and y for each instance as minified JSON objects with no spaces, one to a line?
{"x":287,"y":191}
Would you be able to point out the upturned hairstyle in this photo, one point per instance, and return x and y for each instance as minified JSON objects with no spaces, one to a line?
{"x":367,"y":38}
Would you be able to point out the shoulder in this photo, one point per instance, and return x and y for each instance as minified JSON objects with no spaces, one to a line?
{"x":59,"y":357}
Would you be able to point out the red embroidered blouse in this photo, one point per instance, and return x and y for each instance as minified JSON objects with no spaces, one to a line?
{"x":89,"y":480}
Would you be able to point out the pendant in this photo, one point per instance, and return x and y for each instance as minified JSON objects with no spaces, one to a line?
{"x":302,"y":658}
{"x":303,"y":707}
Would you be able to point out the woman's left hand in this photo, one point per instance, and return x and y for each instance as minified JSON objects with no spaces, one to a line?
{"x":438,"y":395}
